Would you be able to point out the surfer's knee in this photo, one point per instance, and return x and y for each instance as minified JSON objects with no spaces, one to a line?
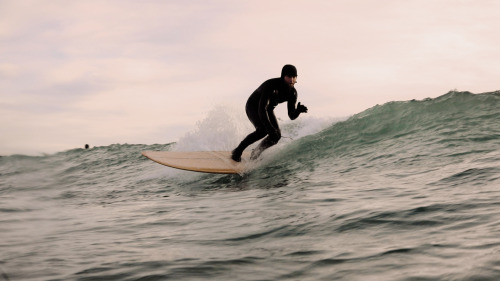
{"x":260,"y":133}
{"x":275,"y":137}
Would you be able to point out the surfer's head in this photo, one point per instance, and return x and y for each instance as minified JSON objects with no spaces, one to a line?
{"x":289,"y":74}
{"x":288,"y":70}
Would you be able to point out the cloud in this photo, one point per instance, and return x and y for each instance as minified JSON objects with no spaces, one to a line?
{"x":119,"y":71}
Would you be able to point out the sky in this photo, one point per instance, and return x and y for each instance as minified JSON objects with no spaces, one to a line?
{"x":144,"y":72}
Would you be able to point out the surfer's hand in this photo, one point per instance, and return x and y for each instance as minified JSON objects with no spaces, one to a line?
{"x":301,"y":108}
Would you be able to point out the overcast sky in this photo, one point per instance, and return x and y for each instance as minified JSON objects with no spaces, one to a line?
{"x":128,"y":71}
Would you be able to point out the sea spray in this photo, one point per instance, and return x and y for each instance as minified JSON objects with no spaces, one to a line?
{"x":224,"y":127}
{"x":221,"y":129}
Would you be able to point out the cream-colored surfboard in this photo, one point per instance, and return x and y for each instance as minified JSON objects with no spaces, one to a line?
{"x":218,"y":162}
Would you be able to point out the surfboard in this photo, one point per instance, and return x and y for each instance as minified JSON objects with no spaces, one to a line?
{"x":218,"y":162}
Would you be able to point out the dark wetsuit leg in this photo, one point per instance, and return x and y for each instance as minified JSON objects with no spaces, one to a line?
{"x":259,"y":133}
{"x":251,"y":138}
{"x":270,"y":140}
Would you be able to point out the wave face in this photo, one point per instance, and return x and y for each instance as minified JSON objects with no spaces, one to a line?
{"x":401,"y":191}
{"x":427,"y":135}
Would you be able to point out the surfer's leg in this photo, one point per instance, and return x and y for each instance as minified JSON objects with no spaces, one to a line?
{"x":251,"y":138}
{"x":271,"y":139}
{"x":260,"y":132}
{"x":265,"y":144}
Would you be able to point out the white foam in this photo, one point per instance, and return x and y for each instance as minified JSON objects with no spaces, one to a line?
{"x":222,"y":129}
{"x":225,"y":126}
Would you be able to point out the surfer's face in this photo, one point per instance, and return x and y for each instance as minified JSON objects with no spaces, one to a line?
{"x":290,"y":80}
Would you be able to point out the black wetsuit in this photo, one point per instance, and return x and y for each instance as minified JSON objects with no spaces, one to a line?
{"x":260,"y":110}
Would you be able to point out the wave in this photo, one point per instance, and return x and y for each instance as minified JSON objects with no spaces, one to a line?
{"x":420,"y":136}
{"x":450,"y":140}
{"x":447,"y":121}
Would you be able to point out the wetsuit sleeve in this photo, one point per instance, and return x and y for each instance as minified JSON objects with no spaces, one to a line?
{"x":293,"y":112}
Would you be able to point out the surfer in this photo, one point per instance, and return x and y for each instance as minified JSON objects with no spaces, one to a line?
{"x":260,"y":110}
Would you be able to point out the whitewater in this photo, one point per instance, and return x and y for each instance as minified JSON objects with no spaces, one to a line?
{"x":407,"y":190}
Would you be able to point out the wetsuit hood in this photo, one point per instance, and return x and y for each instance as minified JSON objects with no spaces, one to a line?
{"x":288,"y":70}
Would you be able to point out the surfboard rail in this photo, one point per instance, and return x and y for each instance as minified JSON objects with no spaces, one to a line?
{"x":217,"y":162}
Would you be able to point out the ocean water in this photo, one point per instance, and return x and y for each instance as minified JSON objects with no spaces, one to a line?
{"x":407,"y":190}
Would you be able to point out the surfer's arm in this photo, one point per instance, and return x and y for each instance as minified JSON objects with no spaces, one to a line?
{"x":294,"y":112}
